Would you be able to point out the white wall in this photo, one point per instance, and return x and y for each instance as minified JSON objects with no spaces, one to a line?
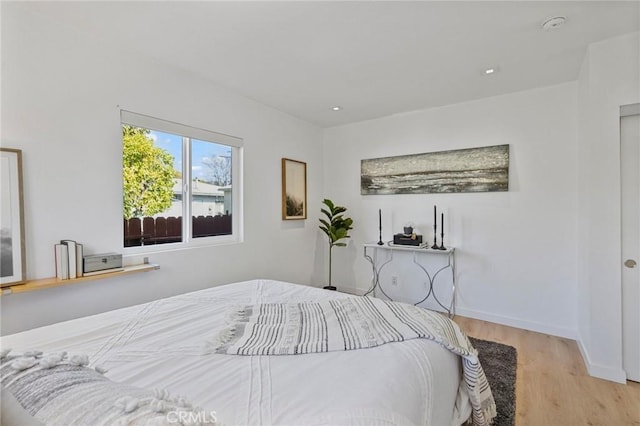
{"x":516,"y":258}
{"x":610,"y":77}
{"x":60,"y":96}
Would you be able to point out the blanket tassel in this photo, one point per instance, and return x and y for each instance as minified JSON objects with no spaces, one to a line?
{"x":224,"y":336}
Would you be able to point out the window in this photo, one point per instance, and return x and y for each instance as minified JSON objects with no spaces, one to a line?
{"x":181,"y":185}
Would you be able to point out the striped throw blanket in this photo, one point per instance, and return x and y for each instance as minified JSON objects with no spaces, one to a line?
{"x":347,"y":324}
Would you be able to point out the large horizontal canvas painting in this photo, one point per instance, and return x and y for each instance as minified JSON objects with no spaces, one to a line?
{"x":483,"y":169}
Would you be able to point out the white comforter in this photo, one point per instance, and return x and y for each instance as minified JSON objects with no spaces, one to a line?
{"x":161,"y":345}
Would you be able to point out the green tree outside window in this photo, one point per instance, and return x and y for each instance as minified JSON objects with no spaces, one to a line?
{"x":147,"y":174}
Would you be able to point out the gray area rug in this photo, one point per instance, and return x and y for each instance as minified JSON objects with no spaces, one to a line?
{"x":499,"y":363}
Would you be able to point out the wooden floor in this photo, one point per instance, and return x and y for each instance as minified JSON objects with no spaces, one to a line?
{"x":552,"y":385}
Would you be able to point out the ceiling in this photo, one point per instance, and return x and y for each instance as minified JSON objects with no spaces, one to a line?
{"x":372,"y":58}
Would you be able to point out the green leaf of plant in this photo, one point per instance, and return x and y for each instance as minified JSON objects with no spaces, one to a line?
{"x":328,"y":203}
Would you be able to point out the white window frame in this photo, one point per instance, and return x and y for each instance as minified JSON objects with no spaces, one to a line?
{"x":236,"y":144}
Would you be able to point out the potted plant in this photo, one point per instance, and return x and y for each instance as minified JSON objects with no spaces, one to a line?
{"x":336,"y":227}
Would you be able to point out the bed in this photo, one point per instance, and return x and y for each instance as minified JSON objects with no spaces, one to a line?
{"x":159,"y":345}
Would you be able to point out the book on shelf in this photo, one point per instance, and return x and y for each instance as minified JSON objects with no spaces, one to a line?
{"x":68,"y":255}
{"x":62,"y":261}
{"x":79,"y":256}
{"x":72,"y":257}
{"x":102,"y":271}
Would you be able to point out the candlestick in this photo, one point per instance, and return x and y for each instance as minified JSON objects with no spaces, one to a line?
{"x":442,"y":247}
{"x":435,"y":229}
{"x":380,"y":227}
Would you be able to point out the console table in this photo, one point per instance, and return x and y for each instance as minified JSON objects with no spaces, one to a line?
{"x":379,"y":256}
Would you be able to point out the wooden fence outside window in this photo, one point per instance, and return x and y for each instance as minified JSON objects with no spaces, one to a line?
{"x":161,"y":230}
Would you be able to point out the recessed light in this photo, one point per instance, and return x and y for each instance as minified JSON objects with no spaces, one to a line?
{"x":553,"y":23}
{"x":336,"y":108}
{"x":490,"y":71}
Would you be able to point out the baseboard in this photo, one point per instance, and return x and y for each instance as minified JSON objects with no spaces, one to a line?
{"x":518,"y":323}
{"x":617,"y":375}
{"x":596,"y":370}
{"x":498,"y":319}
{"x":351,"y":290}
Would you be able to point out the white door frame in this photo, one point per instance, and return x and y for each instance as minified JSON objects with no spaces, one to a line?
{"x":626,"y":111}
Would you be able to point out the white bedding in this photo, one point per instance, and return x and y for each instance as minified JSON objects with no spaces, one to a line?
{"x":160,"y":344}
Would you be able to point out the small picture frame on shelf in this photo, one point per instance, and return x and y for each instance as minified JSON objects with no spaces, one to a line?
{"x":294,"y":189}
{"x":12,"y":256}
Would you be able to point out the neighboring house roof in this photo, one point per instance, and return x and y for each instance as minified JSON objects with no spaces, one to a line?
{"x":199,"y":187}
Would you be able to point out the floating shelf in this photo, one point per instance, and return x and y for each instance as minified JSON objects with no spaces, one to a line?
{"x":40,"y":284}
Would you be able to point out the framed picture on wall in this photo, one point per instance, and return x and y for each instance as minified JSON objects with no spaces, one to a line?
{"x":12,"y":258}
{"x":294,"y":189}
